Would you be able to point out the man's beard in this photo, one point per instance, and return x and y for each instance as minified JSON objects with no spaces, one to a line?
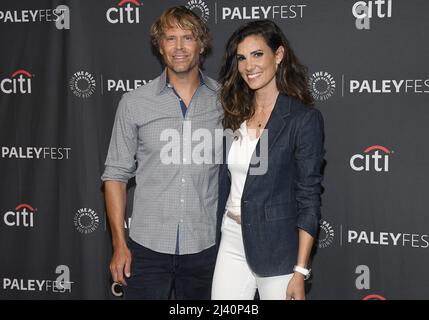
{"x":184,"y":69}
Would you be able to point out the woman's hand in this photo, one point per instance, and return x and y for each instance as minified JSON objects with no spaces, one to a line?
{"x":295,"y":289}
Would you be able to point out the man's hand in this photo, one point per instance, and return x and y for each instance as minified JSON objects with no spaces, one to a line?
{"x":120,"y":264}
{"x":295,"y":289}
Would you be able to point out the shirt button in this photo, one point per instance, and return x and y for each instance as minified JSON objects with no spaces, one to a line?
{"x":184,"y":159}
{"x":181,"y":200}
{"x":181,"y":220}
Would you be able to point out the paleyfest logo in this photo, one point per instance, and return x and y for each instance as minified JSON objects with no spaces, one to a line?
{"x":389,"y":86}
{"x":61,"y":284}
{"x":273,"y":12}
{"x":82,"y":84}
{"x":120,"y":85}
{"x":60,"y":15}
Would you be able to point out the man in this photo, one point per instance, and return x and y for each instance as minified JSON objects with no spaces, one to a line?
{"x":173,"y":225}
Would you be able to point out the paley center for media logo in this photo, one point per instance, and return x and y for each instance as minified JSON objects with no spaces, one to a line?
{"x":60,"y":15}
{"x":326,"y":234}
{"x":22,"y":216}
{"x":200,"y":8}
{"x":125,"y":11}
{"x":373,"y":158}
{"x":273,"y":12}
{"x":322,"y":85}
{"x":61,"y":284}
{"x":364,"y":11}
{"x":18,"y":83}
{"x":82,"y":84}
{"x":86,"y":220}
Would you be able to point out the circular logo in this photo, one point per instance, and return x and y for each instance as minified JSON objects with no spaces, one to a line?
{"x":326,"y":236}
{"x":322,"y":85}
{"x":200,"y":8}
{"x":82,"y":84}
{"x":86,"y":220}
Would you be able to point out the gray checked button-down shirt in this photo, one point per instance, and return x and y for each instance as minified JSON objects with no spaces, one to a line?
{"x":152,"y":141}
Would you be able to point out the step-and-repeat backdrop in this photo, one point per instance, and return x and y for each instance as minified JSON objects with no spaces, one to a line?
{"x":65,"y":64}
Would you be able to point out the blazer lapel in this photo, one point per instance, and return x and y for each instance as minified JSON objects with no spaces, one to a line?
{"x":271,"y":133}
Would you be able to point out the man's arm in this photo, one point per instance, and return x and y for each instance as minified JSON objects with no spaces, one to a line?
{"x":115,"y":196}
{"x":120,"y":167}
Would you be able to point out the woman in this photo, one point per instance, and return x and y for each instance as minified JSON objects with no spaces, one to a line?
{"x":268,"y":218}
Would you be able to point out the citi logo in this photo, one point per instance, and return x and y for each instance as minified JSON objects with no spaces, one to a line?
{"x":373,"y":158}
{"x":23,"y":216}
{"x":19,"y":82}
{"x":363,"y":11}
{"x":128,"y":11}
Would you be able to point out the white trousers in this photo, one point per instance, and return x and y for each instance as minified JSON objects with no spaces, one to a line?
{"x":233,"y":279}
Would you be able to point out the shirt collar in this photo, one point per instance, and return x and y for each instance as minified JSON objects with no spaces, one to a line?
{"x":204,"y":81}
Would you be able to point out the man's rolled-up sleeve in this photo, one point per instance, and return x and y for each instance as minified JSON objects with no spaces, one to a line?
{"x":120,"y":162}
{"x":309,"y":165}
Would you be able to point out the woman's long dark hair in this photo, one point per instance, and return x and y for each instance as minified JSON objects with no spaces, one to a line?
{"x":291,"y":76}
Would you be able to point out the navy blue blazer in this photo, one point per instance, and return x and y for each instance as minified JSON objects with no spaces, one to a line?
{"x":287,"y":197}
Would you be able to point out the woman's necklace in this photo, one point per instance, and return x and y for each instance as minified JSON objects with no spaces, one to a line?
{"x":261,"y":118}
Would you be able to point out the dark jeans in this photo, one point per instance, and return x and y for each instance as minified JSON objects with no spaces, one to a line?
{"x":154,"y":275}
